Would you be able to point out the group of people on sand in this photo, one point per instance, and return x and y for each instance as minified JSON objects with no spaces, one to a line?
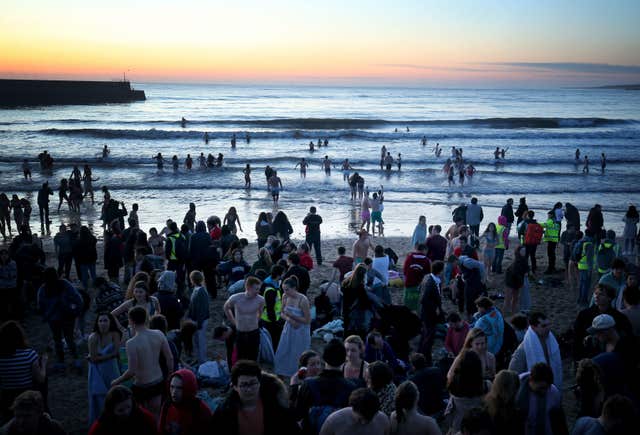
{"x":478,"y":366}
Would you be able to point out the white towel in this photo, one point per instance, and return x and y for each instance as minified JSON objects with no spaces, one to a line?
{"x":535,"y":354}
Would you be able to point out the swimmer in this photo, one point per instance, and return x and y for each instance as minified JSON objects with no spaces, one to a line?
{"x":247,"y":137}
{"x":275,"y":183}
{"x":496,"y":153}
{"x":399,"y":162}
{"x":585,"y":168}
{"x":303,"y":167}
{"x":346,"y":167}
{"x":211,"y":161}
{"x":353,"y":184}
{"x":461,"y":176}
{"x":88,"y":183}
{"x":202,"y":160}
{"x":395,"y":131}
{"x":470,"y":170}
{"x":26,"y":169}
{"x":424,"y":141}
{"x":388,"y":161}
{"x":450,"y":173}
{"x":577,"y":155}
{"x":408,"y":130}
{"x":319,"y":142}
{"x":183,"y":122}
{"x":383,"y":153}
{"x":360,"y":186}
{"x":311,"y":146}
{"x":247,"y":176}
{"x":75,"y":174}
{"x":268,"y":172}
{"x":219,"y":161}
{"x":233,"y":141}
{"x":175,"y":163}
{"x":326,"y":164}
{"x":188,"y":162}
{"x":326,"y":142}
{"x":159,"y":161}
{"x":454,"y":152}
{"x":105,"y":152}
{"x":206,"y":137}
{"x":503,"y":152}
{"x":603,"y":162}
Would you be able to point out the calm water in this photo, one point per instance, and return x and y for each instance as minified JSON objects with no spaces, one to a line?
{"x":540,"y":129}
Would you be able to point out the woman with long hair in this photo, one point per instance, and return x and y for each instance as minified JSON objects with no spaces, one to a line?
{"x":466,"y":388}
{"x":355,"y":367}
{"x":122,"y":415}
{"x":138,"y":277}
{"x":263,"y":229}
{"x":104,"y":347}
{"x":630,"y":220}
{"x":500,"y":403}
{"x":230,"y":220}
{"x":296,"y":334}
{"x":263,"y":262}
{"x":477,"y":341}
{"x":490,"y":239}
{"x":20,"y":367}
{"x":406,"y":419}
{"x":353,"y":290}
{"x":140,"y":297}
{"x":281,"y":226}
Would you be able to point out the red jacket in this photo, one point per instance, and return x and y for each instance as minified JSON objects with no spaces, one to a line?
{"x":216,"y":233}
{"x":191,"y":416}
{"x":306,"y":260}
{"x":415,"y":267}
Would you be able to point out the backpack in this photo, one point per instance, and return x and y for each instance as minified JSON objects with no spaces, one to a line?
{"x":533,"y":235}
{"x":72,"y":304}
{"x":605,"y":256}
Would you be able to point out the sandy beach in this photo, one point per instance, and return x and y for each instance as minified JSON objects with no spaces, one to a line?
{"x":68,"y":392}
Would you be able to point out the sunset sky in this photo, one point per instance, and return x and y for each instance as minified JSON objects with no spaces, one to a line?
{"x":450,"y":43}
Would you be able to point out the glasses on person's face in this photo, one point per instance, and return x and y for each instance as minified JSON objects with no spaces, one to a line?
{"x":248,"y":385}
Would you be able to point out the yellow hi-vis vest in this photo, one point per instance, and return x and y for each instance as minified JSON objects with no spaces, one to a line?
{"x":500,"y":234}
{"x":583,"y":264}
{"x":277,"y":307}
{"x":174,"y":238}
{"x":551,"y":231}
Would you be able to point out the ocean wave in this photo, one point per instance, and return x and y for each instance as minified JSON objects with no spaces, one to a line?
{"x":158,"y":134}
{"x":365,"y":123}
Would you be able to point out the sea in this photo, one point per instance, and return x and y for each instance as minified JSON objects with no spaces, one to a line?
{"x":540,"y":129}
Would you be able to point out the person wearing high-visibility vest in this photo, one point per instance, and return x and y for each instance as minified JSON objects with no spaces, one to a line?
{"x":584,"y":252}
{"x":502,"y":233}
{"x":551,"y":236}
{"x":271,"y":314}
{"x":607,"y":250}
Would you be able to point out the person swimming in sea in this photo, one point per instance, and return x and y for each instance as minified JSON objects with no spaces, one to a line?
{"x":247,"y":137}
{"x":346,"y":167}
{"x":585,"y":168}
{"x":399,"y":162}
{"x":211,"y":161}
{"x":496,"y":153}
{"x":202,"y":160}
{"x":159,"y":161}
{"x":603,"y":162}
{"x":188,"y":163}
{"x":311,"y":146}
{"x":183,"y":122}
{"x":326,"y":142}
{"x":175,"y":163}
{"x":247,"y":176}
{"x":105,"y":152}
{"x":303,"y":167}
{"x":206,"y":137}
{"x":219,"y":160}
{"x":577,"y":158}
{"x":424,"y":141}
{"x":326,"y":164}
{"x":233,"y":141}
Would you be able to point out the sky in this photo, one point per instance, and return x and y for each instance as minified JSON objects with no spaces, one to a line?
{"x":405,"y":42}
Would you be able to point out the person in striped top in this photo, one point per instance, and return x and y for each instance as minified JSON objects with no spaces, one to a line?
{"x":20,"y":367}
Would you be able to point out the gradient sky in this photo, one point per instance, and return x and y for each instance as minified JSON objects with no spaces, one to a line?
{"x":451,"y":43}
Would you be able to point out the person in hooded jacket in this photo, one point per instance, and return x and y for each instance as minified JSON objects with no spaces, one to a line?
{"x":572,"y":216}
{"x":521,"y":212}
{"x":183,"y":413}
{"x":123,"y":416}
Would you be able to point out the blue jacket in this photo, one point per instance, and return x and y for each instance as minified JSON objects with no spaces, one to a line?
{"x":52,"y":306}
{"x":492,"y":324}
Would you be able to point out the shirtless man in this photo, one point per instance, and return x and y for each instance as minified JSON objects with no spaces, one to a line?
{"x":143,"y":353}
{"x":376,"y":214}
{"x":383,"y":154}
{"x":303,"y":167}
{"x":326,"y":165}
{"x":346,"y":167}
{"x":105,"y":152}
{"x":388,"y":161}
{"x":244,"y":310}
{"x":362,"y":417}
{"x":275,"y":183}
{"x":159,"y":161}
{"x":361,"y":247}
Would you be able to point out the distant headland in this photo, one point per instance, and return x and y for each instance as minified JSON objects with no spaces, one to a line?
{"x":621,"y":87}
{"x":15,"y":93}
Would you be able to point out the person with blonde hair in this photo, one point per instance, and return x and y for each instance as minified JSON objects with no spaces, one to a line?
{"x":406,"y":420}
{"x":477,"y":342}
{"x":355,"y":367}
{"x":500,"y":403}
